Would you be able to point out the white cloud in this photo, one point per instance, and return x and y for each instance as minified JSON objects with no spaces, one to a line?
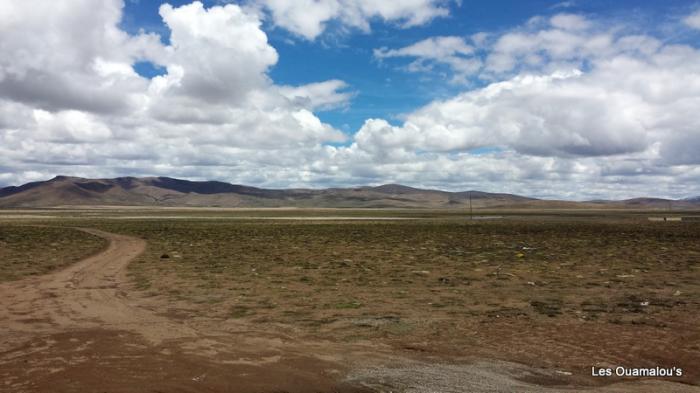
{"x":452,"y":51}
{"x":693,"y":20}
{"x":318,"y":96}
{"x":69,"y":127}
{"x":309,"y":18}
{"x":71,"y":101}
{"x":569,"y":22}
{"x":563,"y":114}
{"x":232,"y":53}
{"x":563,"y":4}
{"x":599,"y":105}
{"x":567,"y":107}
{"x":70,"y":55}
{"x":430,"y":48}
{"x":563,"y":39}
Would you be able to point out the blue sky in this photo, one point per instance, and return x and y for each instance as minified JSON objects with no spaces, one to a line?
{"x":572,"y":100}
{"x":385,"y":90}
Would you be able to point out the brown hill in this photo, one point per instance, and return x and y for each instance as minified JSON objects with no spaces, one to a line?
{"x":164,"y":191}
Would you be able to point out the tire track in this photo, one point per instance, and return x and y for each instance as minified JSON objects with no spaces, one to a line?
{"x":88,"y":294}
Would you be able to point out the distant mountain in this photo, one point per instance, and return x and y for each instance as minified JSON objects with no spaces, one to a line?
{"x":695,"y":199}
{"x":651,"y":203}
{"x":165,"y":191}
{"x":63,"y":191}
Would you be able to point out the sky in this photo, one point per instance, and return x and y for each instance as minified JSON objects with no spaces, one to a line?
{"x":572,"y":100}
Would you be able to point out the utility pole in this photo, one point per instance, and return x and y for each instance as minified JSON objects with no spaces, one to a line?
{"x":471,"y":212}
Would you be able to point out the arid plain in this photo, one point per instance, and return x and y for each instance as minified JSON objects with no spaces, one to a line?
{"x":345,"y":300}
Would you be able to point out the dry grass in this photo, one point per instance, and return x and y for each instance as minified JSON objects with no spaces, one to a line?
{"x":29,"y":250}
{"x":319,"y":272}
{"x":543,"y":291}
{"x":546,"y":293}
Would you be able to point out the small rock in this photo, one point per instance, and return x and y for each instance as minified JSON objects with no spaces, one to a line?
{"x":199,"y":378}
{"x":677,"y":293}
{"x":164,"y":256}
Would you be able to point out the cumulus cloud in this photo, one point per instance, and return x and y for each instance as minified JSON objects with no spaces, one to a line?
{"x":565,"y":89}
{"x":309,"y":18}
{"x":69,"y":95}
{"x":554,"y":115}
{"x":70,"y":55}
{"x":563,"y":106}
{"x":232,"y":53}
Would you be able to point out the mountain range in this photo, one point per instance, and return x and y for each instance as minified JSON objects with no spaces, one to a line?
{"x":64,"y":191}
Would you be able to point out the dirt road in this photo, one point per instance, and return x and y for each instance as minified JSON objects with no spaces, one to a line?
{"x":88,"y":294}
{"x":82,"y":329}
{"x":79,"y":330}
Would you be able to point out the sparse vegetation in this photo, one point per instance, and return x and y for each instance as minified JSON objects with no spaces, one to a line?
{"x":540,"y":290}
{"x":33,"y":250}
{"x":450,"y":271}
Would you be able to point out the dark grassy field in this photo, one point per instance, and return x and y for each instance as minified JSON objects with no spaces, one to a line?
{"x":27,"y":250}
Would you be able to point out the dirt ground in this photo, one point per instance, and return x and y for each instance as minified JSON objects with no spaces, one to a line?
{"x":529,"y":322}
